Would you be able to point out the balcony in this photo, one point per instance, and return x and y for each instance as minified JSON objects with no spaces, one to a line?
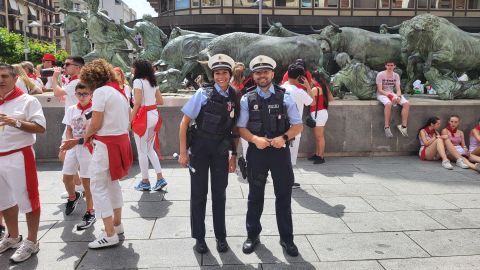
{"x":13,"y":12}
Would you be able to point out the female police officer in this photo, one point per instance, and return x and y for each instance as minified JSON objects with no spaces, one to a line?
{"x":215,"y":109}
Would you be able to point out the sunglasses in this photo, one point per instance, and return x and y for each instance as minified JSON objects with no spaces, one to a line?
{"x":70,"y":64}
{"x":82,"y":94}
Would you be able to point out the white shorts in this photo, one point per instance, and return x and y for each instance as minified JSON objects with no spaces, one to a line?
{"x":13,"y":183}
{"x":75,"y":158}
{"x":322,"y":117}
{"x":460,"y":150}
{"x":385,"y":100}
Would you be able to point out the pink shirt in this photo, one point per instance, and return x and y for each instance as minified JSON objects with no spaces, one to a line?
{"x":388,"y":82}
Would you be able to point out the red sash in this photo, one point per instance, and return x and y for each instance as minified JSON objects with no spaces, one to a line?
{"x":16,"y":92}
{"x":451,"y":130}
{"x":32,"y":76}
{"x":117,"y":87}
{"x":119,"y":154}
{"x":477,"y":127}
{"x":30,"y":175}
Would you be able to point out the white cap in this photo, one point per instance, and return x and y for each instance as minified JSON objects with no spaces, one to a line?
{"x":262,"y":62}
{"x":221,"y":61}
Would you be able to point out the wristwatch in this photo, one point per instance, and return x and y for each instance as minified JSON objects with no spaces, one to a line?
{"x":81,"y":141}
{"x":18,"y":124}
{"x":285,"y":137}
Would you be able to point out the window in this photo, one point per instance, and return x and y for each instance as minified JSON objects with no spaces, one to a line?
{"x":76,"y":6}
{"x":3,"y":22}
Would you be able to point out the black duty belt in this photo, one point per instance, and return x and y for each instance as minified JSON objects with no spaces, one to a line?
{"x":208,"y":135}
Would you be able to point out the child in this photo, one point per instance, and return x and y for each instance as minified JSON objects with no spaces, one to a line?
{"x":77,"y":121}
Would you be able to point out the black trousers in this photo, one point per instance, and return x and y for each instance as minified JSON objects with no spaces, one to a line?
{"x":278,"y":162}
{"x":208,"y":154}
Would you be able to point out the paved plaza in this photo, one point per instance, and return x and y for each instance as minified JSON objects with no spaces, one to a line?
{"x":350,"y":213}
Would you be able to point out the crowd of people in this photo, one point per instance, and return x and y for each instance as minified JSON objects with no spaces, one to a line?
{"x":102,"y":108}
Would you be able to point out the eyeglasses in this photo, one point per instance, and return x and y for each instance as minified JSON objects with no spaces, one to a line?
{"x":68,"y":64}
{"x":82,"y":94}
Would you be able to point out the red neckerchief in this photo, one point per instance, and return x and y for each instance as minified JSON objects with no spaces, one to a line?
{"x":477,"y":127}
{"x":32,"y":76}
{"x":452,"y":130}
{"x":16,"y":92}
{"x":73,"y":78}
{"x":84,"y":108}
{"x":430,"y":131}
{"x":117,"y":87}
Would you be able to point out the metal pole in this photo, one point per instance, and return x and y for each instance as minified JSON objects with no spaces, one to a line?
{"x":260,"y":6}
{"x":25,"y":39}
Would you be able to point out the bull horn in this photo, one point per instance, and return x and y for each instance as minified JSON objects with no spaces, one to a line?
{"x":268,"y":22}
{"x":328,"y":42}
{"x":393,"y":28}
{"x":315,"y":30}
{"x":333,"y":24}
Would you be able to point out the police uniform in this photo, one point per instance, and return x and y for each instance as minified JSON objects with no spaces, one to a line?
{"x":215,"y":112}
{"x":268,"y":114}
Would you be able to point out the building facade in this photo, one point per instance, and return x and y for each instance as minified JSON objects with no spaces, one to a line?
{"x":221,"y":16}
{"x":15,"y":15}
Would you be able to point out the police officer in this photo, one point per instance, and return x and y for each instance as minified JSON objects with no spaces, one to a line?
{"x":268,"y":120}
{"x":214,"y":108}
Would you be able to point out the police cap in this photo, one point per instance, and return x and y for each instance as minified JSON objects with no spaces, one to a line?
{"x":262,"y":62}
{"x":221,"y":61}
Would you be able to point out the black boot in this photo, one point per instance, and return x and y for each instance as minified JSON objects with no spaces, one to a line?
{"x":201,"y":246}
{"x":250,"y":244}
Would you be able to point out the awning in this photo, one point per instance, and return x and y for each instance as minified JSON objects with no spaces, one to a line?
{"x":13,"y":4}
{"x":32,"y":11}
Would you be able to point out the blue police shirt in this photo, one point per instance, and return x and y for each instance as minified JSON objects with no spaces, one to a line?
{"x":293,"y":115}
{"x":198,"y":100}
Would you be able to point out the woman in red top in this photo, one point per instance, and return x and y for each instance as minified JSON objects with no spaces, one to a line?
{"x":319,"y":113}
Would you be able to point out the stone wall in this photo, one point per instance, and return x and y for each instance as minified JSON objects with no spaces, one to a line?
{"x":354,"y":128}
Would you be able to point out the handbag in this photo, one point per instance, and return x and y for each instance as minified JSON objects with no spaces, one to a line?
{"x":309,"y":121}
{"x":139,"y":122}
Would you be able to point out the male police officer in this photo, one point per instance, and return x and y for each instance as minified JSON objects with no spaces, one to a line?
{"x":268,"y":120}
{"x":215,"y":109}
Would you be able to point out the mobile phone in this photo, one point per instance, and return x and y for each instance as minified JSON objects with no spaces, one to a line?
{"x":300,"y":79}
{"x":46,"y":72}
{"x":88,"y":115}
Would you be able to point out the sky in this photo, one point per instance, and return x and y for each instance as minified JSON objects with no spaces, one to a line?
{"x":141,"y":7}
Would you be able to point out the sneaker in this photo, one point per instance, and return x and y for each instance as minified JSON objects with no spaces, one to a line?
{"x":314,"y":157}
{"x":447,"y":165}
{"x":460,"y":163}
{"x":25,"y":251}
{"x":319,"y":160}
{"x":87,"y":221}
{"x":403,"y":130}
{"x":2,"y":231}
{"x":118,"y":229}
{"x":296,"y":185}
{"x":71,"y":205}
{"x":104,"y":241}
{"x":8,"y":243}
{"x":160,"y":184}
{"x":388,"y":132}
{"x":142,"y":186}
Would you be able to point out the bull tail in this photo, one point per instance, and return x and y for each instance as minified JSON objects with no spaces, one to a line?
{"x":268,"y":22}
{"x":393,"y":28}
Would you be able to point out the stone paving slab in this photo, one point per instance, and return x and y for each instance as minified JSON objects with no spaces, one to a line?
{"x":365,"y":246}
{"x":348,"y":265}
{"x":351,"y":190}
{"x":456,"y":219}
{"x":463,"y":200}
{"x":408,"y":202}
{"x":390,"y":221}
{"x":436,"y":263}
{"x":448,"y":242}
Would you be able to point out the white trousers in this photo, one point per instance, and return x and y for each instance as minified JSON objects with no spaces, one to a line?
{"x":107,"y":194}
{"x":145,"y":146}
{"x":295,"y":144}
{"x":13,"y":183}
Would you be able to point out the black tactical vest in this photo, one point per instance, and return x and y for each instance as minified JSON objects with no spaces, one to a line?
{"x":219,"y":114}
{"x":267,"y":117}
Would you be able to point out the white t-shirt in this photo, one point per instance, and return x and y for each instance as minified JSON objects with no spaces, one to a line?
{"x":115,"y":108}
{"x":128,"y":92}
{"x":70,"y":98}
{"x":298,"y":95}
{"x":23,"y":86}
{"x":25,"y":108}
{"x":148,"y":91}
{"x":77,"y":121}
{"x":389,"y":83}
{"x":49,"y":83}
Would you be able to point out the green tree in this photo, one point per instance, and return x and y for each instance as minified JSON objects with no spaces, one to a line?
{"x":12,"y":49}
